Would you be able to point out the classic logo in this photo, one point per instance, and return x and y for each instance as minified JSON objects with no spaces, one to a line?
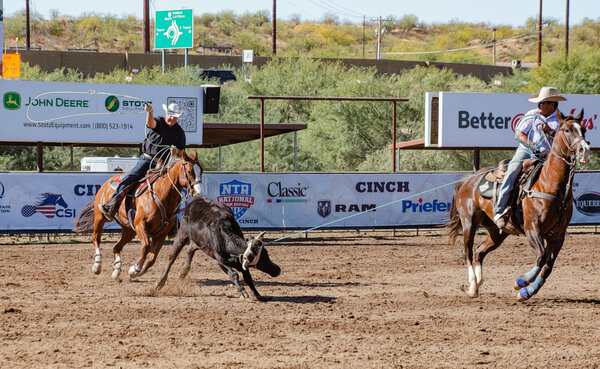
{"x":12,"y":100}
{"x":588,"y":203}
{"x":280,"y":193}
{"x":238,"y":195}
{"x":47,"y":207}
{"x":324,"y":208}
{"x":111,"y":103}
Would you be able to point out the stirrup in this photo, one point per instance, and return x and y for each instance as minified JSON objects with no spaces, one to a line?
{"x":105,"y":213}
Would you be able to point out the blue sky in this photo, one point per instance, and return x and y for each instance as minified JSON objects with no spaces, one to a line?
{"x":493,"y":12}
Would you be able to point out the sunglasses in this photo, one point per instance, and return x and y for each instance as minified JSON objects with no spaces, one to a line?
{"x":540,"y":104}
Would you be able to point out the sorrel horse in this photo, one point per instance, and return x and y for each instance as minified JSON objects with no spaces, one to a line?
{"x":547,"y":210}
{"x":155,"y":214}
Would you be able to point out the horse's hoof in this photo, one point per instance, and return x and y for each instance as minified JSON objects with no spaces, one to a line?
{"x":96,"y":268}
{"x":473,"y":294}
{"x":116,"y":274}
{"x":520,"y":283}
{"x":523,"y":295}
{"x":160,"y":284}
{"x":133,"y":273}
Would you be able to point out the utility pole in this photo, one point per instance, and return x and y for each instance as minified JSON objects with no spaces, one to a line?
{"x":146,"y":27}
{"x":539,"y":62}
{"x":567,"y":31}
{"x":379,"y":39}
{"x":274,"y":31}
{"x":494,"y":47}
{"x":364,"y":25}
{"x":28,"y":37}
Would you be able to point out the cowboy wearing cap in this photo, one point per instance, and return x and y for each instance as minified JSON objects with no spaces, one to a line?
{"x":534,"y":132}
{"x":164,"y":132}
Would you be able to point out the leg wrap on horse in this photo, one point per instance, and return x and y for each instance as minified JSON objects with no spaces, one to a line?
{"x":524,"y":280}
{"x":526,"y":293}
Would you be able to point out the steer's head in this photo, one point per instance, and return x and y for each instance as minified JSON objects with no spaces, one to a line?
{"x":257,"y":256}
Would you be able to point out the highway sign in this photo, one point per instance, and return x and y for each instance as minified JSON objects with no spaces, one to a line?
{"x":174,"y":29}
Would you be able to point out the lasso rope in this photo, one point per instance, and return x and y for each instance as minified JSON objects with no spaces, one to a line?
{"x":89,"y":92}
{"x":531,"y":148}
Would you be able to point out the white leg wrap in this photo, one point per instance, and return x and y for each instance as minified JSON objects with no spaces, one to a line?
{"x":97,"y":266}
{"x":478,"y":274}
{"x":133,"y":272}
{"x":116,"y":268}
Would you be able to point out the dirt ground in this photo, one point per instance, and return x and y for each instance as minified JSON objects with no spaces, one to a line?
{"x":343,"y":300}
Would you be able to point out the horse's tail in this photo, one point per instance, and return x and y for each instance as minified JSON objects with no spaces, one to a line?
{"x":85,"y":221}
{"x":454,"y":224}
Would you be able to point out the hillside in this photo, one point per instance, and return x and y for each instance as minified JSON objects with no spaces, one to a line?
{"x":453,"y":42}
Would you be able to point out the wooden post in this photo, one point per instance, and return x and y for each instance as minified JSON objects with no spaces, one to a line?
{"x":262,"y":135}
{"x":476,"y":159}
{"x":394,"y":136}
{"x":539,"y":61}
{"x":40,"y":157}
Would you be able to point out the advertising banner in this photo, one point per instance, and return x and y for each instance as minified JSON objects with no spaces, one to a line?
{"x":263,"y":201}
{"x":92,"y":112}
{"x":489,"y":119}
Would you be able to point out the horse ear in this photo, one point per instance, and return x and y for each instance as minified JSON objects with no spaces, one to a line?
{"x":193,"y":155}
{"x":185,"y":155}
{"x":579,"y":116}
{"x":559,"y":115}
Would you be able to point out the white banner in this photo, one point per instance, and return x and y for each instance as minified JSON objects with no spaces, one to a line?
{"x":489,"y":120}
{"x":92,"y":112}
{"x":52,"y":201}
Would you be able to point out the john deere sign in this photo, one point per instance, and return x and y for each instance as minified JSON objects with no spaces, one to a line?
{"x":174,"y":29}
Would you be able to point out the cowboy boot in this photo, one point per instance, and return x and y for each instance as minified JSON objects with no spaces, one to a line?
{"x":110,"y":208}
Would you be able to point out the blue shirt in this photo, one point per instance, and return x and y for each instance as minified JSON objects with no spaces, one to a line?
{"x":531,"y":126}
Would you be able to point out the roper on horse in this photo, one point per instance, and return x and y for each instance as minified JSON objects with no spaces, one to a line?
{"x":149,"y":214}
{"x":542,"y":212}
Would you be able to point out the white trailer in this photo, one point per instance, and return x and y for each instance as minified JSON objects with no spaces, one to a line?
{"x":107,"y":164}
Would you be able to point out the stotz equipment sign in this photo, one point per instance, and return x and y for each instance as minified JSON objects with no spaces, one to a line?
{"x":174,"y":29}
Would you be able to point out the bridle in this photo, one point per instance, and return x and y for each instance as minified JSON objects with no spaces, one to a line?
{"x":571,"y":146}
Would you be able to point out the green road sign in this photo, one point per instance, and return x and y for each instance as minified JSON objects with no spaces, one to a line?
{"x":174,"y":29}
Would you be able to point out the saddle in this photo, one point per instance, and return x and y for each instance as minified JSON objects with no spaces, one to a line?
{"x":131,"y":196}
{"x":143,"y":183}
{"x":489,"y":186}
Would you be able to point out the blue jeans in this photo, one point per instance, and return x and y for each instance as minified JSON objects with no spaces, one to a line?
{"x":512,"y":172}
{"x":135,"y":174}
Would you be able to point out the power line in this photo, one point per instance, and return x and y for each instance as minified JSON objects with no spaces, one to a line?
{"x":330,"y":9}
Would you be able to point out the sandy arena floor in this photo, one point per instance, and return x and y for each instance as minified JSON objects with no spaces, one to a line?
{"x":343,"y":300}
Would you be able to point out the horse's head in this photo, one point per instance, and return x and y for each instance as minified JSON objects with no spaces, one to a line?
{"x":573,"y":136}
{"x":190,"y":174}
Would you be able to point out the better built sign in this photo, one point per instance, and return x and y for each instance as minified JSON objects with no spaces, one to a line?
{"x":174,"y":29}
{"x":456,"y":119}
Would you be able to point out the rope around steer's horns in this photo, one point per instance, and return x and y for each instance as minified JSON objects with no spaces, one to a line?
{"x":245,"y":262}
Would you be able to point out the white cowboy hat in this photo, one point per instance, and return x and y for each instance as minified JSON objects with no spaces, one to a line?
{"x":547,"y":93}
{"x":173,"y":110}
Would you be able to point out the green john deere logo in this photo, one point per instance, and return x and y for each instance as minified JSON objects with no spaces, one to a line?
{"x":111,"y":103}
{"x":12,"y":100}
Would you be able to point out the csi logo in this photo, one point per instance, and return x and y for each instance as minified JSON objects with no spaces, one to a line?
{"x":47,"y":207}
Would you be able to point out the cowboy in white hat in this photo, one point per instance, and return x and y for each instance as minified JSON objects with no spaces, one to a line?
{"x":534,"y":132}
{"x":164,"y":133}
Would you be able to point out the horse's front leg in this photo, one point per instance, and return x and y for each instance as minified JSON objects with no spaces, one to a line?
{"x":140,"y":230}
{"x":531,"y":282}
{"x":126,"y":236}
{"x":155,"y":247}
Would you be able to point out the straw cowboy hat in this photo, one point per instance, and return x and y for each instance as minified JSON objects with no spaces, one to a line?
{"x":546,"y":94}
{"x":173,"y":110}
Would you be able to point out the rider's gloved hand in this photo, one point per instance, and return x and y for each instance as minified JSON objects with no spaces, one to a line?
{"x":148,"y":108}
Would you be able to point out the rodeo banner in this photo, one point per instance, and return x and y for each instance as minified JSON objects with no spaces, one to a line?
{"x":459,"y":119}
{"x":92,"y":112}
{"x":262,"y":201}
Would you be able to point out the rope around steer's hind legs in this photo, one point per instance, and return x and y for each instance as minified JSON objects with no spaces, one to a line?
{"x":526,"y":293}
{"x":527,"y":278}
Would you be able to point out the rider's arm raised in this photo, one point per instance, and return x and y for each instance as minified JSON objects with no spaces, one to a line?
{"x":150,"y":122}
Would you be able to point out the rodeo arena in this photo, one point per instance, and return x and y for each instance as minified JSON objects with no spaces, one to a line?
{"x":297,"y":269}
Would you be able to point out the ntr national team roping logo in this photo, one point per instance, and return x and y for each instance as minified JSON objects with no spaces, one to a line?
{"x":238,"y":195}
{"x":47,"y":206}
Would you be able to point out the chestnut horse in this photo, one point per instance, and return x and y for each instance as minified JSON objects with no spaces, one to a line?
{"x":547,"y":210}
{"x":155,"y":214}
